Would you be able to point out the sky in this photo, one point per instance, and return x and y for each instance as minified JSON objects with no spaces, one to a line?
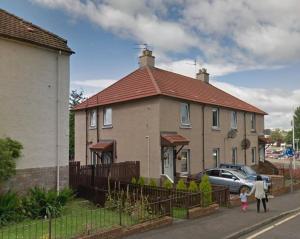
{"x":251,"y":48}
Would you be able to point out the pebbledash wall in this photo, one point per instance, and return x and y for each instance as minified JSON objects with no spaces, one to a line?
{"x":34,"y":96}
{"x":133,"y":121}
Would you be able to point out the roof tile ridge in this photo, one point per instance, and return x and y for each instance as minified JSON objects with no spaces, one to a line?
{"x":32,"y":24}
{"x":153,"y":80}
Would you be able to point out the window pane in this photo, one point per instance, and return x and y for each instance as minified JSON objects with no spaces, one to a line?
{"x":233,"y":119}
{"x":253,"y":121}
{"x":107,"y":116}
{"x":215,"y":122}
{"x":93,"y":118}
{"x":184,"y":113}
{"x":184,"y":161}
{"x":234,"y":155}
{"x":216,"y":157}
{"x":253,"y":155}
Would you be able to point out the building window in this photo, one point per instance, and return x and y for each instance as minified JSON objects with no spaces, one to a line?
{"x":107,"y":117}
{"x":233,"y":119}
{"x":185,"y":114}
{"x":185,"y":159}
{"x":253,"y":121}
{"x":253,"y":152}
{"x":216,"y":118}
{"x":93,"y":118}
{"x":234,"y":155}
{"x":94,"y":158}
{"x":216,"y":157}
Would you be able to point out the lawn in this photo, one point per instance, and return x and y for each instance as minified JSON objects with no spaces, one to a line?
{"x":79,"y":217}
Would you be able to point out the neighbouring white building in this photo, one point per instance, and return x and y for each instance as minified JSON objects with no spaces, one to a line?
{"x":34,"y":93}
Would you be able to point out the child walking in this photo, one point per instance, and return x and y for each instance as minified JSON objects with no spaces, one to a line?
{"x":244,"y":200}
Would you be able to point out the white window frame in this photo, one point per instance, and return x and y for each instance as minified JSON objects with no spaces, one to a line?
{"x":234,"y":155}
{"x":94,"y":158}
{"x":234,"y":120}
{"x":253,"y":155}
{"x":216,"y":153}
{"x":217,"y":111}
{"x":186,"y":108}
{"x":93,"y":118}
{"x":106,"y":122}
{"x":253,"y":122}
{"x":187,"y":151}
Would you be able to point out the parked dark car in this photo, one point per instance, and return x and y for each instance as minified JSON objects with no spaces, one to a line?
{"x":248,"y":171}
{"x":231,"y":178}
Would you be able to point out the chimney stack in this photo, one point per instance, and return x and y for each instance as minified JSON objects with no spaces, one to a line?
{"x":203,"y":75}
{"x":146,"y":59}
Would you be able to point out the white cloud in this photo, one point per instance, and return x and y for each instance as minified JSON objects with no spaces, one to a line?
{"x":91,"y":87}
{"x":278,"y":103}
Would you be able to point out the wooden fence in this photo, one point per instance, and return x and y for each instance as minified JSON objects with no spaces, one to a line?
{"x":97,"y":175}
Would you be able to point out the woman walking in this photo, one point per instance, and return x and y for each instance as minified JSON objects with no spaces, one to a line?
{"x":259,"y":193}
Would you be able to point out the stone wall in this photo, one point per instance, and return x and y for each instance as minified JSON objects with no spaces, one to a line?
{"x":42,"y":177}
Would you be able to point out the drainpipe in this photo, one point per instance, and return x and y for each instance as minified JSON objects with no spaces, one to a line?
{"x":203,"y":138}
{"x":57,"y":122}
{"x":86,"y":136}
{"x":148,"y":154}
{"x":245,"y":136}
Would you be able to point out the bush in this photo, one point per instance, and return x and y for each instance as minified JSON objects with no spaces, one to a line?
{"x":206,"y":190}
{"x":167,"y":184}
{"x":133,"y":180}
{"x":152,"y":183}
{"x":10,"y":150}
{"x":181,"y":185}
{"x":10,"y":208}
{"x":141,"y":181}
{"x":193,"y":187}
{"x":42,"y":203}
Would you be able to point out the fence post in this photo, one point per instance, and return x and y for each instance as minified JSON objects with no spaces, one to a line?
{"x":120,"y":213}
{"x":171,"y":208}
{"x":50,"y":227}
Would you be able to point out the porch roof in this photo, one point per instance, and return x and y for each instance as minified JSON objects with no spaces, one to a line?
{"x":173,"y":140}
{"x":103,"y":145}
{"x":264,"y":140}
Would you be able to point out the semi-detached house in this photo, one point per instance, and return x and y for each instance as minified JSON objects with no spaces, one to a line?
{"x":173,"y":124}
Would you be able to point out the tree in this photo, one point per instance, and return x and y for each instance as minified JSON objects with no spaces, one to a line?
{"x":75,"y":99}
{"x":297,"y":123}
{"x":10,"y":151}
{"x":277,"y":136}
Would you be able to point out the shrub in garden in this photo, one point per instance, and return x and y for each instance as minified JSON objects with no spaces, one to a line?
{"x":167,"y":184}
{"x":10,"y":150}
{"x":181,"y":185}
{"x":133,"y":180}
{"x":152,"y":183}
{"x":40,"y":203}
{"x":141,"y":181}
{"x":10,"y":208}
{"x":193,"y":187}
{"x":206,"y":190}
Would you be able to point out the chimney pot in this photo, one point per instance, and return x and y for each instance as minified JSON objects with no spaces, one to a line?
{"x":146,"y":59}
{"x":203,"y":75}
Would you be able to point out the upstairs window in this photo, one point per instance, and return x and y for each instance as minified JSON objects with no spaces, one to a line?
{"x":215,"y":118}
{"x":107,"y":117}
{"x":253,"y":121}
{"x":185,"y":114}
{"x":234,"y":155}
{"x":233,"y":119}
{"x":93,"y":118}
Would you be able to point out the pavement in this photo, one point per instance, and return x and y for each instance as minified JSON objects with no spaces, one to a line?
{"x":226,"y":222}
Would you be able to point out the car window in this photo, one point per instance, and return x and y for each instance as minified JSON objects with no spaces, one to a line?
{"x":215,"y":173}
{"x":226,"y":174}
{"x":249,"y":170}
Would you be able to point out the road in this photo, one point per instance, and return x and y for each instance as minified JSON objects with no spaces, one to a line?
{"x":287,"y":228}
{"x":223,"y":223}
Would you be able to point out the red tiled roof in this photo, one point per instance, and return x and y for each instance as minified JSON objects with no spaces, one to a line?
{"x":16,"y":28}
{"x":173,"y":140}
{"x":151,"y":81}
{"x":102,"y":145}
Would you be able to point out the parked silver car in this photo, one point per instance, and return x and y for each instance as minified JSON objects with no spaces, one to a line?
{"x":231,"y":178}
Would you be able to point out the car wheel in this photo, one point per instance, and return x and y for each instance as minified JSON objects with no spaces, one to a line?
{"x":244,"y":187}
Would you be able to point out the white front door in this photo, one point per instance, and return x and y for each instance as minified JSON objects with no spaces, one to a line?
{"x":168,"y":163}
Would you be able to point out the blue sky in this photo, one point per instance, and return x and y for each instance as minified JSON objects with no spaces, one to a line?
{"x":250,"y":51}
